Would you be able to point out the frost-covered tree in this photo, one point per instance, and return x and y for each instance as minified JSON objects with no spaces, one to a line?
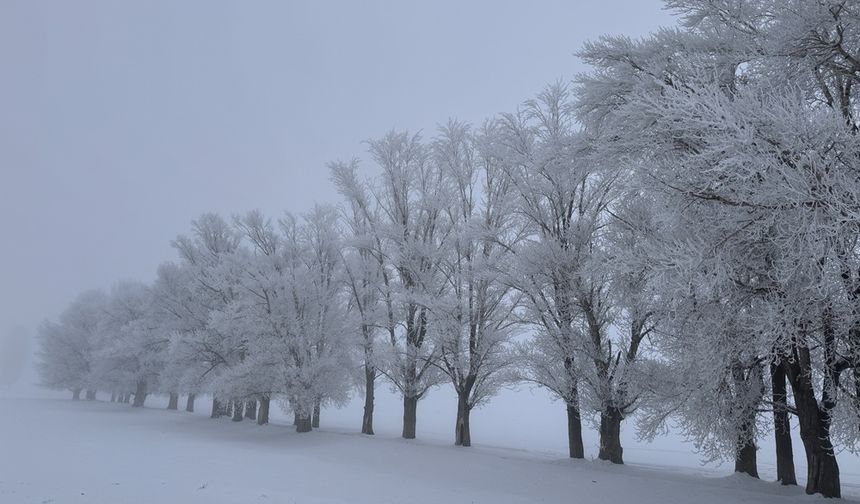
{"x":365,"y":274}
{"x":318,"y":320}
{"x":290,"y":309}
{"x":561,"y":197}
{"x":67,"y":347}
{"x":257,"y":310}
{"x":408,"y":200}
{"x":472,"y":320}
{"x":178,"y":313}
{"x":745,"y":117}
{"x":131,"y":347}
{"x":204,"y":348}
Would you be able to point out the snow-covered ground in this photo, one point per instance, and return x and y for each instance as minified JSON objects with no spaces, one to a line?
{"x":58,"y":451}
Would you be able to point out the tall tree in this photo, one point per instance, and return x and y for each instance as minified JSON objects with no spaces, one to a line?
{"x":559,"y":198}
{"x":472,"y":320}
{"x":365,"y":275}
{"x":408,"y":198}
{"x":767,"y":168}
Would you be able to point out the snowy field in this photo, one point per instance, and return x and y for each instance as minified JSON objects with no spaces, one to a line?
{"x":59,"y":451}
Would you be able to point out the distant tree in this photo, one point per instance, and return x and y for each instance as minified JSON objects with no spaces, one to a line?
{"x":291,"y":310}
{"x":66,"y":349}
{"x":204,"y":348}
{"x":130,"y":349}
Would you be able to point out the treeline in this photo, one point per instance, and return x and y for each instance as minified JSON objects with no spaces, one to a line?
{"x":675,"y":234}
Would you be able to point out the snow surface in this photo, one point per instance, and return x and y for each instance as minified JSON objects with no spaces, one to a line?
{"x":58,"y":451}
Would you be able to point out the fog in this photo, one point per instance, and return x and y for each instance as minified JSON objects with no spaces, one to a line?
{"x":122,"y":121}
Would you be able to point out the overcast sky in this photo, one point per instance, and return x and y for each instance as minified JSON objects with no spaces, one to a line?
{"x":121,"y":121}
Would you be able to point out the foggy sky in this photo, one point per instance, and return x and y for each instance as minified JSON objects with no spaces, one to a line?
{"x":121,"y":121}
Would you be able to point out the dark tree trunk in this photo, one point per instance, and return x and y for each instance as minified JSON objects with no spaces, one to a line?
{"x":822,"y":468}
{"x":263,"y":413}
{"x":251,"y":409}
{"x":315,"y":420}
{"x":91,"y":395}
{"x":173,"y":403}
{"x":410,"y":416}
{"x":303,"y":423}
{"x":189,"y":403}
{"x":237,"y":410}
{"x":574,"y":432}
{"x":749,"y":384}
{"x":462,"y":432}
{"x":369,"y":384}
{"x":216,"y":408}
{"x":610,"y":436}
{"x":295,"y":417}
{"x":113,"y":397}
{"x":782,"y":427}
{"x":745,"y":458}
{"x":76,"y":394}
{"x":139,"y":394}
{"x":127,"y":398}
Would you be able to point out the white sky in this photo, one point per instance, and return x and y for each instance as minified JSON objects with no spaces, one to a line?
{"x":121,"y":121}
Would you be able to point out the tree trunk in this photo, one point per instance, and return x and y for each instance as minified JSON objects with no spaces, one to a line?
{"x":91,"y":395}
{"x":410,"y":416}
{"x":113,"y":397}
{"x":295,"y":417}
{"x":251,"y":409}
{"x":822,"y":468}
{"x":610,"y":436}
{"x":76,"y":394}
{"x":303,"y":423}
{"x":462,"y":432}
{"x":173,"y":403}
{"x":263,"y":413}
{"x":315,"y":420}
{"x":782,"y":427}
{"x":216,"y":408}
{"x":574,"y":432}
{"x":127,"y":398}
{"x":745,"y":458}
{"x":369,"y":384}
{"x":237,"y":410}
{"x":189,"y":403}
{"x":749,"y":391}
{"x":139,"y":394}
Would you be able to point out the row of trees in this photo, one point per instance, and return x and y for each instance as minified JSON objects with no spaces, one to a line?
{"x":676,"y":235}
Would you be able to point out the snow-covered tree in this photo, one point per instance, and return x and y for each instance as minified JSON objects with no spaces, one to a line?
{"x":291,"y":312}
{"x":131,"y":348}
{"x":472,"y":320}
{"x":67,"y":348}
{"x":204,"y":346}
{"x":745,"y":119}
{"x":408,"y":199}
{"x":365,"y":274}
{"x":178,"y":314}
{"x":561,"y":197}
